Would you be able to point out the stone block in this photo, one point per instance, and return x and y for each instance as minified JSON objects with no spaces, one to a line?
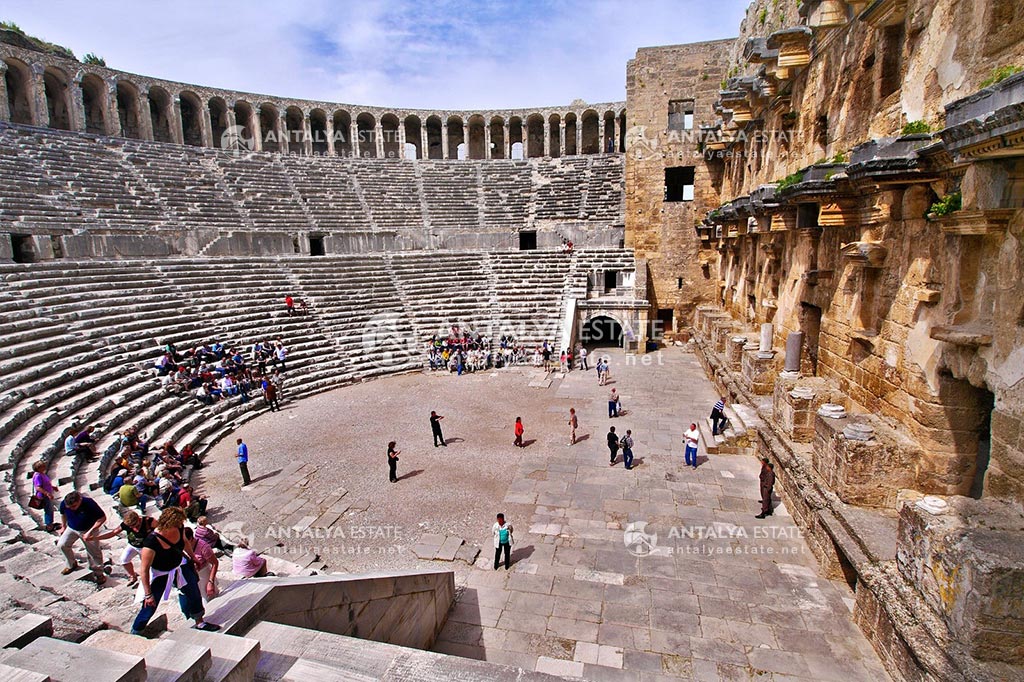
{"x":868,"y":473}
{"x":760,"y":373}
{"x":968,"y":565}
{"x":16,"y":634}
{"x":66,"y":662}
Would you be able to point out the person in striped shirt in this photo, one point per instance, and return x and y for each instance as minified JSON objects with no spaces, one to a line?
{"x":717,"y":415}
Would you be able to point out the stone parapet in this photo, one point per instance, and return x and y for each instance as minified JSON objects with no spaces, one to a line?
{"x":759,"y":372}
{"x":795,"y":403}
{"x":968,"y":563}
{"x":863,"y":472}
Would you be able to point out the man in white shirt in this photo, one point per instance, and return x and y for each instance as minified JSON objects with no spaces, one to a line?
{"x":691,"y":439}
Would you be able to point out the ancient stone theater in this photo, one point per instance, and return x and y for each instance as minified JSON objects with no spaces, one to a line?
{"x":806,"y":241}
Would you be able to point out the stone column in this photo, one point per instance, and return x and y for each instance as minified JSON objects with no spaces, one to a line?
{"x":329,"y":132}
{"x":579,"y":135}
{"x":307,"y":132}
{"x":465,"y":137}
{"x":378,"y":135}
{"x":5,"y":114}
{"x":444,"y":140}
{"x":424,"y":150}
{"x":77,"y":103}
{"x":764,"y":350}
{"x":353,"y":138}
{"x":145,"y":116}
{"x":547,"y":138}
{"x":230,"y":121}
{"x":401,"y":140}
{"x":111,"y":115}
{"x":794,"y":342}
{"x":561,"y":139}
{"x":601,"y":141}
{"x":618,"y":135}
{"x":175,"y":123}
{"x":487,"y":141}
{"x":508,"y":142}
{"x":283,"y":146}
{"x":37,"y":88}
{"x":206,"y":126}
{"x":257,"y":132}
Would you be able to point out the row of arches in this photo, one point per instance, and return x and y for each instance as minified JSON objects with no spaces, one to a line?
{"x":47,"y":96}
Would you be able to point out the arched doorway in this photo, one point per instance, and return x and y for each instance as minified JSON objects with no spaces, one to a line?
{"x":318,"y":130}
{"x":455,"y":135}
{"x":94,"y":93}
{"x":366,"y":131}
{"x":191,"y":119}
{"x":477,"y":138}
{"x":389,"y":132}
{"x":554,"y":135}
{"x":218,"y":120}
{"x":591,"y":142}
{"x":128,"y":110}
{"x":435,"y":148}
{"x":535,"y":136}
{"x":55,"y":86}
{"x":497,"y":138}
{"x":601,"y":331}
{"x":160,"y":114}
{"x":570,"y":135}
{"x":268,"y":128}
{"x":342,"y":133}
{"x":295,"y":131}
{"x":413,"y":137}
{"x":19,"y":103}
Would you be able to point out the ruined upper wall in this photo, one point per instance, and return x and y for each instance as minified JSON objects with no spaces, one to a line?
{"x":893,"y":62}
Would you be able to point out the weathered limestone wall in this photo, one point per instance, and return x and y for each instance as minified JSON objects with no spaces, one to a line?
{"x":660,"y":231}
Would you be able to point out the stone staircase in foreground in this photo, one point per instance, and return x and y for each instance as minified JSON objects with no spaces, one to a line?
{"x":263,"y":637}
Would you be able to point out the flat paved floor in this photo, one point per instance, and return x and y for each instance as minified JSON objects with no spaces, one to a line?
{"x":661,"y":572}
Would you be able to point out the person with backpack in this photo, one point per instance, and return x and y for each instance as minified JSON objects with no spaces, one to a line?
{"x":627,"y":449}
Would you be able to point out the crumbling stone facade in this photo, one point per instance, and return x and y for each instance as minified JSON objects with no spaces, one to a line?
{"x":864,"y":188}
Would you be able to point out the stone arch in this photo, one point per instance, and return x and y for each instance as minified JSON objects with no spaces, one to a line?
{"x":191,"y":118}
{"x":94,"y":104}
{"x":435,"y":142}
{"x":622,"y":131}
{"x":455,"y":136}
{"x":477,"y":138}
{"x":318,"y":130}
{"x":413,"y":136}
{"x":58,"y":99}
{"x":497,"y":126}
{"x":269,"y":119}
{"x":554,"y":136}
{"x":218,"y":119}
{"x":602,"y":328}
{"x":342,"y":132}
{"x":389,"y":125}
{"x":128,"y":110}
{"x":245,"y":118}
{"x":366,"y":126}
{"x":534,"y":136}
{"x":18,"y":79}
{"x":294,"y":130}
{"x":160,"y":114}
{"x":609,"y":132}
{"x":591,"y":142}
{"x":570,"y":134}
{"x":515,"y":136}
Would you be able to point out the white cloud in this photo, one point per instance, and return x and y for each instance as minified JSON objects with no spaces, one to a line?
{"x":485,"y":54}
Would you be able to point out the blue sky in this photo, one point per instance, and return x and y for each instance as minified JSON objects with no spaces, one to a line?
{"x":455,"y":55}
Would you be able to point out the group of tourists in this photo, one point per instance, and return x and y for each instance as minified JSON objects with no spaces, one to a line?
{"x":213,"y":372}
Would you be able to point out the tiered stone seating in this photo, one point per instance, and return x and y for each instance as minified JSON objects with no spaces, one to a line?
{"x":391,"y":191}
{"x":259,"y":182}
{"x":605,"y":189}
{"x":327,"y":186}
{"x":452,"y":193}
{"x":443,"y":289}
{"x":31,"y":200}
{"x":107,"y":190}
{"x":529,"y":288}
{"x":358,"y":306}
{"x":557,"y":185}
{"x":185,"y":185}
{"x":507,"y":190}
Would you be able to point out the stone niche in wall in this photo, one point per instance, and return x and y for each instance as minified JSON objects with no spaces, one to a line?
{"x":967,"y":562}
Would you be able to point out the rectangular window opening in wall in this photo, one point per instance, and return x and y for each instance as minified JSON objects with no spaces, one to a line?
{"x":528,"y":240}
{"x":610,"y":280}
{"x":316,"y":246}
{"x":664,"y":323}
{"x":680,"y":114}
{"x":892,"y":57}
{"x":23,"y":251}
{"x":679,"y":183}
{"x":807,"y":215}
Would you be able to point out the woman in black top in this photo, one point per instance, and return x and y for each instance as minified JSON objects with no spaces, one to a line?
{"x":167,"y":561}
{"x":393,"y":462}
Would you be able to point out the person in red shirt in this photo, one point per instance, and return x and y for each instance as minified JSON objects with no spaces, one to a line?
{"x":518,"y":442}
{"x":289,"y":303}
